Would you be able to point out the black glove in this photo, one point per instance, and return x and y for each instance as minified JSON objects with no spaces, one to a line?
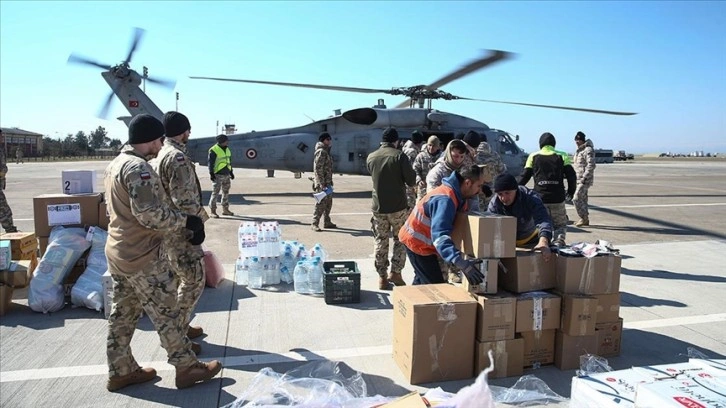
{"x":198,"y":237}
{"x":194,"y":223}
{"x":211,"y":177}
{"x":486,"y":190}
{"x":231,"y":175}
{"x":470,"y":270}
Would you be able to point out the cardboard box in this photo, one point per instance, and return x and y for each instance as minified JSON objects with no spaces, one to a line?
{"x":107,"y":284}
{"x":527,"y":272}
{"x":42,"y":245}
{"x":433,"y":332}
{"x":589,"y":276}
{"x":410,"y":400}
{"x":18,"y":275}
{"x":678,"y":393}
{"x":50,"y":210}
{"x":578,"y":315}
{"x":26,"y":254}
{"x":609,"y":337}
{"x":568,"y":349}
{"x":489,"y":268}
{"x":6,"y":298}
{"x":6,"y":254}
{"x":495,"y":317}
{"x":490,"y":236}
{"x":508,"y":357}
{"x":608,"y":308}
{"x":103,"y":218}
{"x":78,"y":181}
{"x":20,"y":242}
{"x":537,"y":311}
{"x":539,"y":347}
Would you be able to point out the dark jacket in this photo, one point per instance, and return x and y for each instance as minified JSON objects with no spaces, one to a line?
{"x":549,"y":168}
{"x":529,"y":211}
{"x":391,"y":173}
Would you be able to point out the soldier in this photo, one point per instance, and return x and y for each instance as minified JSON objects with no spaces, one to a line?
{"x":492,"y":165}
{"x":550,"y":167}
{"x":179,"y":179}
{"x":142,"y":279}
{"x":472,"y":139}
{"x":6,"y":214}
{"x":18,"y":155}
{"x":424,"y":162}
{"x":585,"y":170}
{"x":220,"y":172}
{"x":323,"y":168}
{"x":411,"y":149}
{"x":391,"y":173}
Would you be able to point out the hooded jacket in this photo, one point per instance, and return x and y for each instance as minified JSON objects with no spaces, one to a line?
{"x":584,"y":163}
{"x":529,"y":211}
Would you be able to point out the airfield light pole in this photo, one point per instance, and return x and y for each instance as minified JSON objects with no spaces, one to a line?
{"x":177,"y":102}
{"x":146,"y":75}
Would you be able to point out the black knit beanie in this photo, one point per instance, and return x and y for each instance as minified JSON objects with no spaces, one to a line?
{"x":222,"y":138}
{"x":390,"y":135}
{"x":505,"y":182}
{"x":472,"y":138}
{"x":145,"y":128}
{"x":417,"y":137}
{"x":176,"y":123}
{"x":547,"y":139}
{"x":580,"y":136}
{"x":323,"y":136}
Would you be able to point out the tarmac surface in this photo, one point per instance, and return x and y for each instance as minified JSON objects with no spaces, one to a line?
{"x":667,"y":218}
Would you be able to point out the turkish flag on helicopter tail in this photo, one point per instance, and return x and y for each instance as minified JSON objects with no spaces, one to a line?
{"x":133,"y":104}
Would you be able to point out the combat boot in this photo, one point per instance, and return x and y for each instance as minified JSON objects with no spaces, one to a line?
{"x":194,"y":331}
{"x":199,"y":371}
{"x":139,"y":376}
{"x":226,"y":211}
{"x":315,"y":227}
{"x":559,"y":243}
{"x":396,"y":279}
{"x":196,"y":348}
{"x":582,"y":222}
{"x":329,"y":224}
{"x":213,"y":213}
{"x":383,"y":283}
{"x":11,"y":229}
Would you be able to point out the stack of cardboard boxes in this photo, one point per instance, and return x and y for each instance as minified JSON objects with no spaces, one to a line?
{"x":528,"y":312}
{"x":18,"y":259}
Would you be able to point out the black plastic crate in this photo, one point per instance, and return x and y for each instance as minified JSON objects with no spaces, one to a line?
{"x":341,"y":282}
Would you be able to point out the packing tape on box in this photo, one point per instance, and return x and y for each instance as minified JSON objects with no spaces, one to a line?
{"x":587,"y":277}
{"x":583,"y":319}
{"x":535,"y":278}
{"x":500,"y":354}
{"x":537,"y":313}
{"x":498,"y":243}
{"x":610,"y":271}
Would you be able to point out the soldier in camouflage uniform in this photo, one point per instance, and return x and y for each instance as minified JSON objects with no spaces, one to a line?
{"x":391,"y":173}
{"x":142,"y":277}
{"x":323,"y":169}
{"x":179,"y":179}
{"x":424,"y":162}
{"x":584,"y":164}
{"x":221,"y":174}
{"x":6,"y":214}
{"x":492,"y":165}
{"x":411,"y":149}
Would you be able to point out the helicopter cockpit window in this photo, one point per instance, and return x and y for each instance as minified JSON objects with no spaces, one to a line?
{"x":507,"y":145}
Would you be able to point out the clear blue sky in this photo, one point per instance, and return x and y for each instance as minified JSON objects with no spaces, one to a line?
{"x":663,"y":59}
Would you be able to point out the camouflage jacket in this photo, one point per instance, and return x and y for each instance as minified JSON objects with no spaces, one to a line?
{"x":139,"y":216}
{"x":179,"y":179}
{"x":323,"y":167}
{"x":438,"y":172}
{"x":584,"y":163}
{"x":411,"y":150}
{"x":424,"y":162}
{"x":491,"y":160}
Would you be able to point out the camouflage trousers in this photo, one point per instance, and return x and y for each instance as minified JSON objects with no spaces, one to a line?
{"x":580,"y":201}
{"x":420,"y":191}
{"x":222,"y":182}
{"x":558,"y":214}
{"x":187,"y":263}
{"x":6,"y":214}
{"x":322,"y":209}
{"x":411,"y":196}
{"x":484,"y":202}
{"x":385,"y":227}
{"x":152,"y":289}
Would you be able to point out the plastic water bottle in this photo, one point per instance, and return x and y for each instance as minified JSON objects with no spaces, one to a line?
{"x":287,"y":266}
{"x":319,"y":251}
{"x":274,"y":241}
{"x":241,"y":275}
{"x":301,"y":278}
{"x":248,"y":239}
{"x":315,"y":277}
{"x":274,"y":270}
{"x":255,"y":273}
{"x":301,"y":252}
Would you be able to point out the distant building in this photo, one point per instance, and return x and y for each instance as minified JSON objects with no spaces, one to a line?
{"x":30,"y":143}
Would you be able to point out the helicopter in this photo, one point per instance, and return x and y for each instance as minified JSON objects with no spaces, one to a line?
{"x":355,"y":133}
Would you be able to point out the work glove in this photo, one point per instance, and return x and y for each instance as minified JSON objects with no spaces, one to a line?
{"x":194,"y":223}
{"x":231,"y":175}
{"x":198,"y":237}
{"x":470,"y":270}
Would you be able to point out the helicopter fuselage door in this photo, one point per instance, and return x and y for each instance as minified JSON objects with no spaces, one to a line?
{"x":359,"y":153}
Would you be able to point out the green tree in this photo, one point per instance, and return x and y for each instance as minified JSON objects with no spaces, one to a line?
{"x":51,"y":147}
{"x":81,"y":142}
{"x":114,"y":144}
{"x":98,"y":138}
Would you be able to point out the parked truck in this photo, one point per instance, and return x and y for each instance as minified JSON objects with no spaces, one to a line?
{"x":622,"y":156}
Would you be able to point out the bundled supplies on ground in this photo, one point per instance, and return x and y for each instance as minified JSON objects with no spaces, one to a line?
{"x":88,"y":289}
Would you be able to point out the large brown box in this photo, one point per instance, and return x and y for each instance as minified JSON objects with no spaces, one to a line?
{"x":609,"y":338}
{"x":537,"y":311}
{"x":527,"y":272}
{"x":608,"y":307}
{"x":19,"y":273}
{"x":103,"y":218}
{"x":20,"y":243}
{"x":6,"y":298}
{"x":489,"y":268}
{"x":508,"y":357}
{"x":77,"y":210}
{"x":578,"y":315}
{"x":433,"y":332}
{"x":568,"y":349}
{"x":539,"y":347}
{"x":495,"y":317}
{"x":490,"y":236}
{"x":588,"y":276}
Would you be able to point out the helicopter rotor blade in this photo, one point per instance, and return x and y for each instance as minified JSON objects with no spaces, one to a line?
{"x":473,"y":66}
{"x":103,"y":112}
{"x":606,"y":112}
{"x":166,"y":83}
{"x":313,"y":86}
{"x":138,"y":34}
{"x":77,"y":59}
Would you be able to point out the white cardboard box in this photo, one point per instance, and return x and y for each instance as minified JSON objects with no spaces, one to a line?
{"x":78,"y":181}
{"x":685,"y":392}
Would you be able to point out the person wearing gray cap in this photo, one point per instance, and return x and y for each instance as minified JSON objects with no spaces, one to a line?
{"x":424,"y":162}
{"x":221,"y":174}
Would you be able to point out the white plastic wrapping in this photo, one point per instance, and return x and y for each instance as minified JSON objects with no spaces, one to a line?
{"x":88,"y":290}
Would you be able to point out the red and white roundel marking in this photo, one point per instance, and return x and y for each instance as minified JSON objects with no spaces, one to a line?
{"x":251,"y":154}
